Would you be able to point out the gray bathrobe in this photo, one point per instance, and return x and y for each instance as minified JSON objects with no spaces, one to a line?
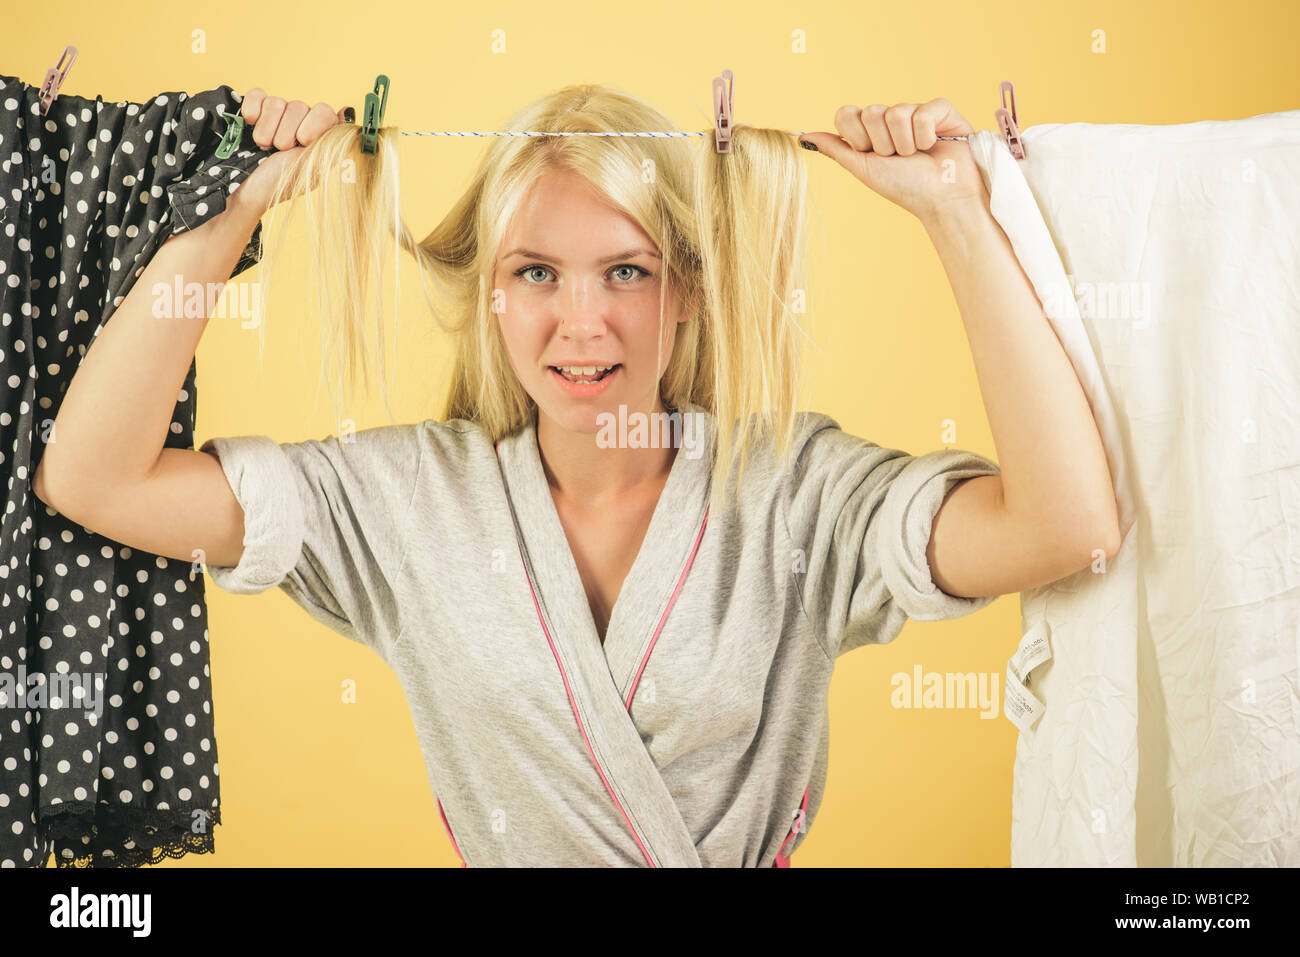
{"x":697,"y":734}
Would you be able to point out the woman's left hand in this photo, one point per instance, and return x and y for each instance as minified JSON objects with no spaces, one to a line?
{"x":896,"y":151}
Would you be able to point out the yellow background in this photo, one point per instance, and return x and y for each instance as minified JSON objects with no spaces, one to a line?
{"x":309,"y":780}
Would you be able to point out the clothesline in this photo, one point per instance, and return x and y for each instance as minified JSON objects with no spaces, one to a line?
{"x":658,"y":133}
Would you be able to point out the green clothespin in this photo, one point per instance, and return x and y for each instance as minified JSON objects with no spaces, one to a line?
{"x":372,"y":116}
{"x":234,"y":131}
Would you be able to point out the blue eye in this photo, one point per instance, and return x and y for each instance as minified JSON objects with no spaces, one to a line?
{"x":527,"y":269}
{"x":643,"y":272}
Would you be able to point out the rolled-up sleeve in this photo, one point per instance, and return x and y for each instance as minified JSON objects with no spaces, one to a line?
{"x":326,"y":521}
{"x":860,"y":518}
{"x":901,"y":536}
{"x":262,"y":481}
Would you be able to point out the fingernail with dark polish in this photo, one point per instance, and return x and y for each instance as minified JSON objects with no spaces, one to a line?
{"x":349,"y":115}
{"x":809,"y":145}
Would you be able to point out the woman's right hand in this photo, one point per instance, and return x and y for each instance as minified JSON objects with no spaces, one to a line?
{"x":285,"y":127}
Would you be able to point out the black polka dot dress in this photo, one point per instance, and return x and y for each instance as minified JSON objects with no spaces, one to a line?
{"x":107,"y":752}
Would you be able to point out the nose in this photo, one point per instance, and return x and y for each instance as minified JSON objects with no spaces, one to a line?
{"x":583,"y":316}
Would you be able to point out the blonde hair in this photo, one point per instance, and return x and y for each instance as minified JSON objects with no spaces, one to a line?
{"x":731,"y":228}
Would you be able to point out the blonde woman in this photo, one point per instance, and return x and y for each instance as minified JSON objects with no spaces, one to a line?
{"x":614,"y":577}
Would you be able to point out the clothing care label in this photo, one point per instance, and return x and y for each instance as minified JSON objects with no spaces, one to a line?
{"x":1018,"y":703}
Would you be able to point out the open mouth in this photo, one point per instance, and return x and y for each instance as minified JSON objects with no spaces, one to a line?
{"x":584,"y":375}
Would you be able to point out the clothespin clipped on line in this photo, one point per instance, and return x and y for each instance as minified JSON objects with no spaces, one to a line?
{"x":724,"y":92}
{"x":54,"y":78}
{"x":234,"y":132}
{"x":372,"y":116}
{"x":1007,"y":121}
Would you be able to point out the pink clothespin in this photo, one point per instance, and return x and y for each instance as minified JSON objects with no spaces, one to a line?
{"x":1007,"y":122}
{"x":54,"y":78}
{"x":724,"y":90}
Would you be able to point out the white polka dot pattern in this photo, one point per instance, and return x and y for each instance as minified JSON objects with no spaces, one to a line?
{"x":122,"y":769}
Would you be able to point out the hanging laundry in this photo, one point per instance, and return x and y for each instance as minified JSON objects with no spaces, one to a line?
{"x":1157,"y":696}
{"x":107,"y":753}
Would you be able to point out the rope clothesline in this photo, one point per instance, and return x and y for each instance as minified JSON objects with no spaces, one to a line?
{"x":639,"y":133}
{"x":376,"y":106}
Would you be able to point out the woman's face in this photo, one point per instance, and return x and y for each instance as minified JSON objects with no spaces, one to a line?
{"x":578,"y":285}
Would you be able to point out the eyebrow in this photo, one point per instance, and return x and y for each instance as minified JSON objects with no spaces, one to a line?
{"x":625,"y":254}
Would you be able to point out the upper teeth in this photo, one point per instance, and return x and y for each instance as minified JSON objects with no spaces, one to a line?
{"x":584,"y":370}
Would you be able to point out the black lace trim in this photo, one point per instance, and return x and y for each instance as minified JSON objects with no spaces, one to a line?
{"x":89,"y":834}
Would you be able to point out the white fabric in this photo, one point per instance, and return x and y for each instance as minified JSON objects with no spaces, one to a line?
{"x":1169,"y":681}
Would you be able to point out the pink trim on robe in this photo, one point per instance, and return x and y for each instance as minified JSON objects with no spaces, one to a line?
{"x":782,"y":860}
{"x":664,"y":617}
{"x":574,"y":708}
{"x":443,"y":814}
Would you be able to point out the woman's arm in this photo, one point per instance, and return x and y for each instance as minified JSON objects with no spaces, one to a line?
{"x":105,"y":465}
{"x":1054,"y":503}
